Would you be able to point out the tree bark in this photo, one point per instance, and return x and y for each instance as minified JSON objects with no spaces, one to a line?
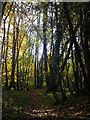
{"x":6,"y":56}
{"x":45,"y":40}
{"x":12,"y":83}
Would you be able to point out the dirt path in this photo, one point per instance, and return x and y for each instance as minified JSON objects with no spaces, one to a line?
{"x":33,"y":105}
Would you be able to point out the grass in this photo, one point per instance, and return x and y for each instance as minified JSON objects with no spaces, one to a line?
{"x":15,"y":103}
{"x":46,"y":100}
{"x":21,"y":99}
{"x":16,"y":98}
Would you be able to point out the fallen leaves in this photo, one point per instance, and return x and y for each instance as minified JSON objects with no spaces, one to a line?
{"x":28,"y":105}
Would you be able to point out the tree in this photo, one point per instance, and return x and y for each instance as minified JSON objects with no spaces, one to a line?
{"x":45,"y":39}
{"x":12,"y":83}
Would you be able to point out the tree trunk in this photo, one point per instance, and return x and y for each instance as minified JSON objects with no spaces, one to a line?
{"x":86,"y":45}
{"x":35,"y":71}
{"x":6,"y":56}
{"x":67,"y":70}
{"x":58,"y":40}
{"x":12,"y":83}
{"x":17,"y":53}
{"x":45,"y":40}
{"x":1,"y":62}
{"x":77,"y":48}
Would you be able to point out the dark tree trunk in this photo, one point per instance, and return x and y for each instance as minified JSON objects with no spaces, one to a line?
{"x":20,"y":77}
{"x":17,"y":71}
{"x":58,"y":40}
{"x":74,"y":73}
{"x":6,"y":57}
{"x":2,"y":9}
{"x":45,"y":40}
{"x":35,"y":70}
{"x":77,"y":48}
{"x":77,"y":75}
{"x":17,"y":55}
{"x":86,"y":45}
{"x":81,"y":87}
{"x":12,"y":83}
{"x":27,"y":77}
{"x":23,"y":80}
{"x":41,"y":71}
{"x":67,"y":70}
{"x":37,"y":67}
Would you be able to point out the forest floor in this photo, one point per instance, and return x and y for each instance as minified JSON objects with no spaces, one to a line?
{"x":34,"y":105}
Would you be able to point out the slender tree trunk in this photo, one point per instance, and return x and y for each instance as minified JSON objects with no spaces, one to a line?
{"x":1,"y":62}
{"x":6,"y":56}
{"x":41,"y":70}
{"x":20,"y":77}
{"x":67,"y":70}
{"x":77,"y":75}
{"x":81,"y":82}
{"x":2,"y":9}
{"x":17,"y":54}
{"x":74,"y":73}
{"x":17,"y":70}
{"x":35,"y":70}
{"x":23,"y":82}
{"x":12,"y":83}
{"x":27,"y":77}
{"x":45,"y":40}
